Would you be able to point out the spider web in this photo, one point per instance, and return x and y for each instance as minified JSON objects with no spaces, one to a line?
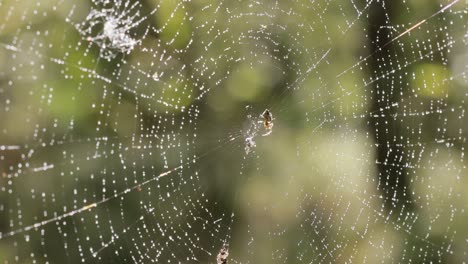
{"x":131,"y":131}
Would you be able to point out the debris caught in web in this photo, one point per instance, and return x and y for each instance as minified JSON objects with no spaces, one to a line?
{"x":249,"y":145}
{"x":222,"y":255}
{"x":108,"y":26}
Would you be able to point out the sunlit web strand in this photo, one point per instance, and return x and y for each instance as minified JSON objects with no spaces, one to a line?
{"x":87,"y":207}
{"x":301,"y":78}
{"x":396,"y":104}
{"x":115,"y":237}
{"x":399,"y":36}
{"x":97,"y":76}
{"x":126,"y":191}
{"x":448,"y":44}
{"x":407,"y":229}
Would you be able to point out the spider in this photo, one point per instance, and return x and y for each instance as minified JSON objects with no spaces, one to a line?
{"x":267,"y":121}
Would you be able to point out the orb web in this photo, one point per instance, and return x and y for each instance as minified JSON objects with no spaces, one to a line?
{"x":130,"y":131}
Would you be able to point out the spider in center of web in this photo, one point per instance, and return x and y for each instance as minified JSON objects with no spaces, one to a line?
{"x":267,"y":121}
